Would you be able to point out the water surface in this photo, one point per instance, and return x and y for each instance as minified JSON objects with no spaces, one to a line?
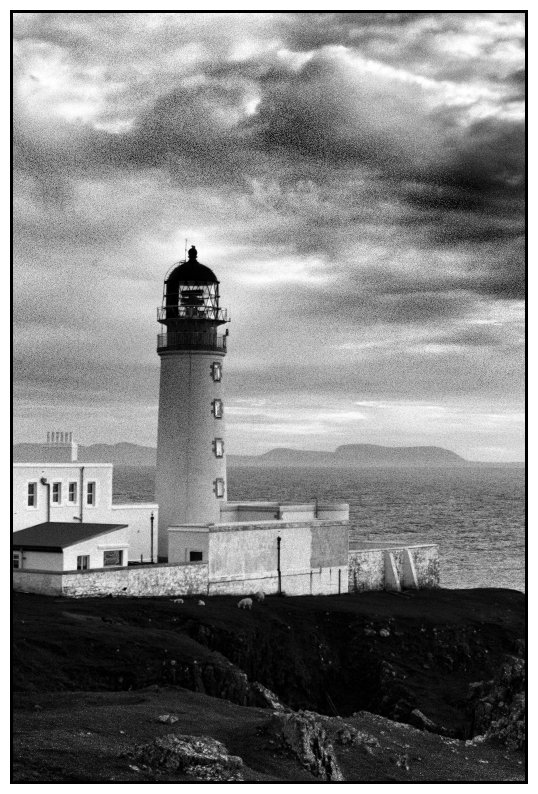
{"x":476,"y":515}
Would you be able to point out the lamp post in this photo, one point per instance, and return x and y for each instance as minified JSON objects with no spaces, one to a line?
{"x":278,"y":540}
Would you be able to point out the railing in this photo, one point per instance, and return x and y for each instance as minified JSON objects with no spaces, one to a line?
{"x":191,"y":340}
{"x":165,"y":313}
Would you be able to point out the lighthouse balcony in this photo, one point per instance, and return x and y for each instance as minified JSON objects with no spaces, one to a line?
{"x":191,"y":340}
{"x":182,"y":312}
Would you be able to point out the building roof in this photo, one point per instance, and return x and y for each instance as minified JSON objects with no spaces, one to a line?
{"x":57,"y":535}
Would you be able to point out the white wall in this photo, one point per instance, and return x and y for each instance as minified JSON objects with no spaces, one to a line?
{"x":138,"y":517}
{"x":260,"y":511}
{"x":42,"y":560}
{"x":186,"y":463}
{"x":248,"y":511}
{"x":23,"y":473}
{"x":183,"y":540}
{"x":95,"y":548}
{"x":249,"y":550}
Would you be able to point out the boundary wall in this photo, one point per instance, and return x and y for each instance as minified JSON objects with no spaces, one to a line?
{"x":135,"y":581}
{"x":393,"y":568}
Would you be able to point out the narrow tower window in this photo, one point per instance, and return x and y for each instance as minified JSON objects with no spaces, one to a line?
{"x":216,"y":371}
{"x":218,"y":447}
{"x":217,"y":409}
{"x":219,"y":487}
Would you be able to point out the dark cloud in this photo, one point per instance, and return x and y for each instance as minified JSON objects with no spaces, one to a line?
{"x":348,"y":175}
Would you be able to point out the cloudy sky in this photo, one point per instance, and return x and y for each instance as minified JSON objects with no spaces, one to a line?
{"x":356,"y":181}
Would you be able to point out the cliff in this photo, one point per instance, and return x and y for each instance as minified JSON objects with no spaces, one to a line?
{"x":421,"y":686}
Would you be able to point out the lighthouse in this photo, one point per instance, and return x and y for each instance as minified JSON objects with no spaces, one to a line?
{"x":191,"y":462}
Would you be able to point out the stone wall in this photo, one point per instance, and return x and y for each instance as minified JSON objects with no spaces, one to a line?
{"x":135,"y":581}
{"x":44,"y":582}
{"x":388,"y":568}
{"x":320,"y":581}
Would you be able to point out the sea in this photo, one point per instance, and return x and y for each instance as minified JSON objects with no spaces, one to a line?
{"x":475,"y":514}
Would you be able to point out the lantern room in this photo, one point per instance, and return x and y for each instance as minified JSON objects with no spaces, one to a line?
{"x":191,"y":295}
{"x":190,"y":309}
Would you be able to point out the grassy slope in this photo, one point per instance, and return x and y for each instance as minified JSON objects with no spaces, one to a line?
{"x":299,"y":647}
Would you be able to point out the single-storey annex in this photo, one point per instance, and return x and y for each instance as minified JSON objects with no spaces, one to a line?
{"x":67,"y":546}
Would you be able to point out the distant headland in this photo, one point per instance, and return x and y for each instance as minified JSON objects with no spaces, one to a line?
{"x":346,"y":456}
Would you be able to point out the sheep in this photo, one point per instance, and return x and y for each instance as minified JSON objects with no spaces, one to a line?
{"x":245,"y":603}
{"x":259,"y":596}
{"x":201,"y":603}
{"x":178,"y":601}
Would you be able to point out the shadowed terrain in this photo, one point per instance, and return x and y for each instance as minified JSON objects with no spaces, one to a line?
{"x":85,"y":670}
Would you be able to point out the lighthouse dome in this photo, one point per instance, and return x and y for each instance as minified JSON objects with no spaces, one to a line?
{"x":192,"y":271}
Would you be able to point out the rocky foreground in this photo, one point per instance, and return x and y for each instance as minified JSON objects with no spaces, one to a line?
{"x":424,"y":686}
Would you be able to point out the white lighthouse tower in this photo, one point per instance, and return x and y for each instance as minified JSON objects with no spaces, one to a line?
{"x":191,"y":463}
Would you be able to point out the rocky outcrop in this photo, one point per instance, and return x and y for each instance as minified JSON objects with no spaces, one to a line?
{"x":348,"y":736}
{"x":421,"y":721}
{"x":218,"y":678}
{"x":303,"y":734}
{"x":199,"y":757}
{"x":265,"y":698}
{"x":498,"y":706}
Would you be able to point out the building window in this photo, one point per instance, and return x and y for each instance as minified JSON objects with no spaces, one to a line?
{"x":218,"y":447}
{"x":83,"y":562}
{"x":72,"y":492}
{"x":56,"y":493}
{"x":219,"y":487}
{"x":196,"y":556}
{"x":17,"y":559}
{"x":113,"y":557}
{"x":217,"y":409}
{"x":90,"y":494}
{"x":32,"y":494}
{"x":216,"y":371}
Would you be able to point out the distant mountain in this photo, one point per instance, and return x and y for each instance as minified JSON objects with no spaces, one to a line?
{"x":351,"y":455}
{"x":347,"y":456}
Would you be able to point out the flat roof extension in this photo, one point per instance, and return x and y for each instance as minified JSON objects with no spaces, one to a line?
{"x":58,"y":535}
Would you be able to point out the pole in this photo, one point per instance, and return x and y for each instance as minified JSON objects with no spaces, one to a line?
{"x":278,"y":566}
{"x":152,"y":519}
{"x":81,"y":495}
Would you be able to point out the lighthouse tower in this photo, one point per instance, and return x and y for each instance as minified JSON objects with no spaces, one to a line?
{"x":191,"y":463}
